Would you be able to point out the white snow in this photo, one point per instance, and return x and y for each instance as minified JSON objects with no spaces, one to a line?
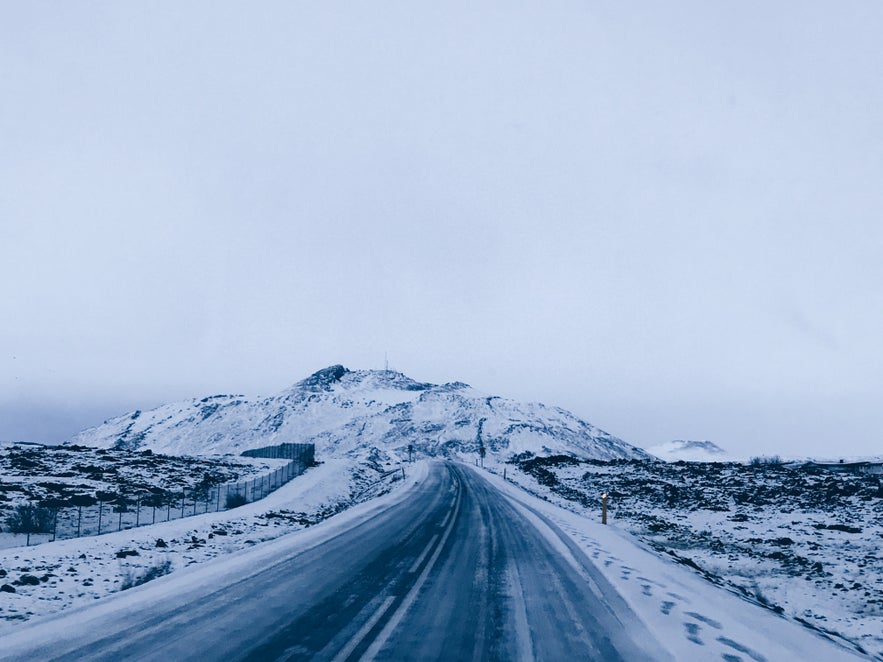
{"x":345,"y":412}
{"x":828,"y":578}
{"x":690,"y":617}
{"x":693,"y":619}
{"x":83,"y":570}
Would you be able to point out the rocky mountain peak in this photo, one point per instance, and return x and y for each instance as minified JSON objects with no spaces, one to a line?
{"x":345,"y":412}
{"x":322,"y":380}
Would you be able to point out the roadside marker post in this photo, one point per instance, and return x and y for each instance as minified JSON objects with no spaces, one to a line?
{"x":604,"y":508}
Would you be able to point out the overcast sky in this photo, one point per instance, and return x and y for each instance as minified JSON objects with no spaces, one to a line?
{"x":667,"y":218}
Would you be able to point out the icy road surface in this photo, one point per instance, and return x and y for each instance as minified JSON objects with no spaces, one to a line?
{"x":451,"y":569}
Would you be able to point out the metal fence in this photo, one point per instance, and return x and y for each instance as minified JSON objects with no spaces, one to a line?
{"x":109,"y":512}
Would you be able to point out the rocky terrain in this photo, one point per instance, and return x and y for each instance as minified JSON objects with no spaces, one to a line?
{"x":65,"y":478}
{"x":70,"y":470}
{"x":803,"y":541}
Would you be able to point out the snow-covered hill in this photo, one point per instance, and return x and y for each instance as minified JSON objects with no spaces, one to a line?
{"x":689,"y":451}
{"x":348,"y":412}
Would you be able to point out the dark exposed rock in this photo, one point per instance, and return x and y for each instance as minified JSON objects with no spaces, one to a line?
{"x":323,"y":379}
{"x":838,"y":527}
{"x":123,"y":553}
{"x":27,"y":580}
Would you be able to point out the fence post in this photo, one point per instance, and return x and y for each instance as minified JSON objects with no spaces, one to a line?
{"x":183,"y":500}
{"x":169,"y":508}
{"x":218,"y":506}
{"x":137,"y":513}
{"x":100,"y":508}
{"x":55,"y":525}
{"x":79,"y":519}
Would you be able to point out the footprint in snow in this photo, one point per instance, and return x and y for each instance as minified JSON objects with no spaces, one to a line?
{"x":754,"y":655}
{"x":731,"y":658}
{"x":646,"y":590}
{"x":708,"y":621}
{"x":666,"y":607}
{"x":693,"y":631}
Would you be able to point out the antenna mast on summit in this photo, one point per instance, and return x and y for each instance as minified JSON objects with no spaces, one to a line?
{"x":385,"y":362}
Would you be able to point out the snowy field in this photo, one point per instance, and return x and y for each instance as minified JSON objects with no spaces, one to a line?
{"x":804,"y":543}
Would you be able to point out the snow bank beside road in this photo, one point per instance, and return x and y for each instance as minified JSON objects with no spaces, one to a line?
{"x":800,"y":540}
{"x":692,"y":618}
{"x":77,"y":572}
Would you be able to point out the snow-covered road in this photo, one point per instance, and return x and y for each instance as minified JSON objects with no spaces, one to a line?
{"x":455,"y":567}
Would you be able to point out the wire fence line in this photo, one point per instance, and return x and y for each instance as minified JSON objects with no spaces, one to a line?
{"x":106,"y":512}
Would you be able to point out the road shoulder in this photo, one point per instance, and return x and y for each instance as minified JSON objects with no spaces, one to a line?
{"x":688,"y":616}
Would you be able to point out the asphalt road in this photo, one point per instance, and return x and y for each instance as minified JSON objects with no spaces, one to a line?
{"x":456,"y":571}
